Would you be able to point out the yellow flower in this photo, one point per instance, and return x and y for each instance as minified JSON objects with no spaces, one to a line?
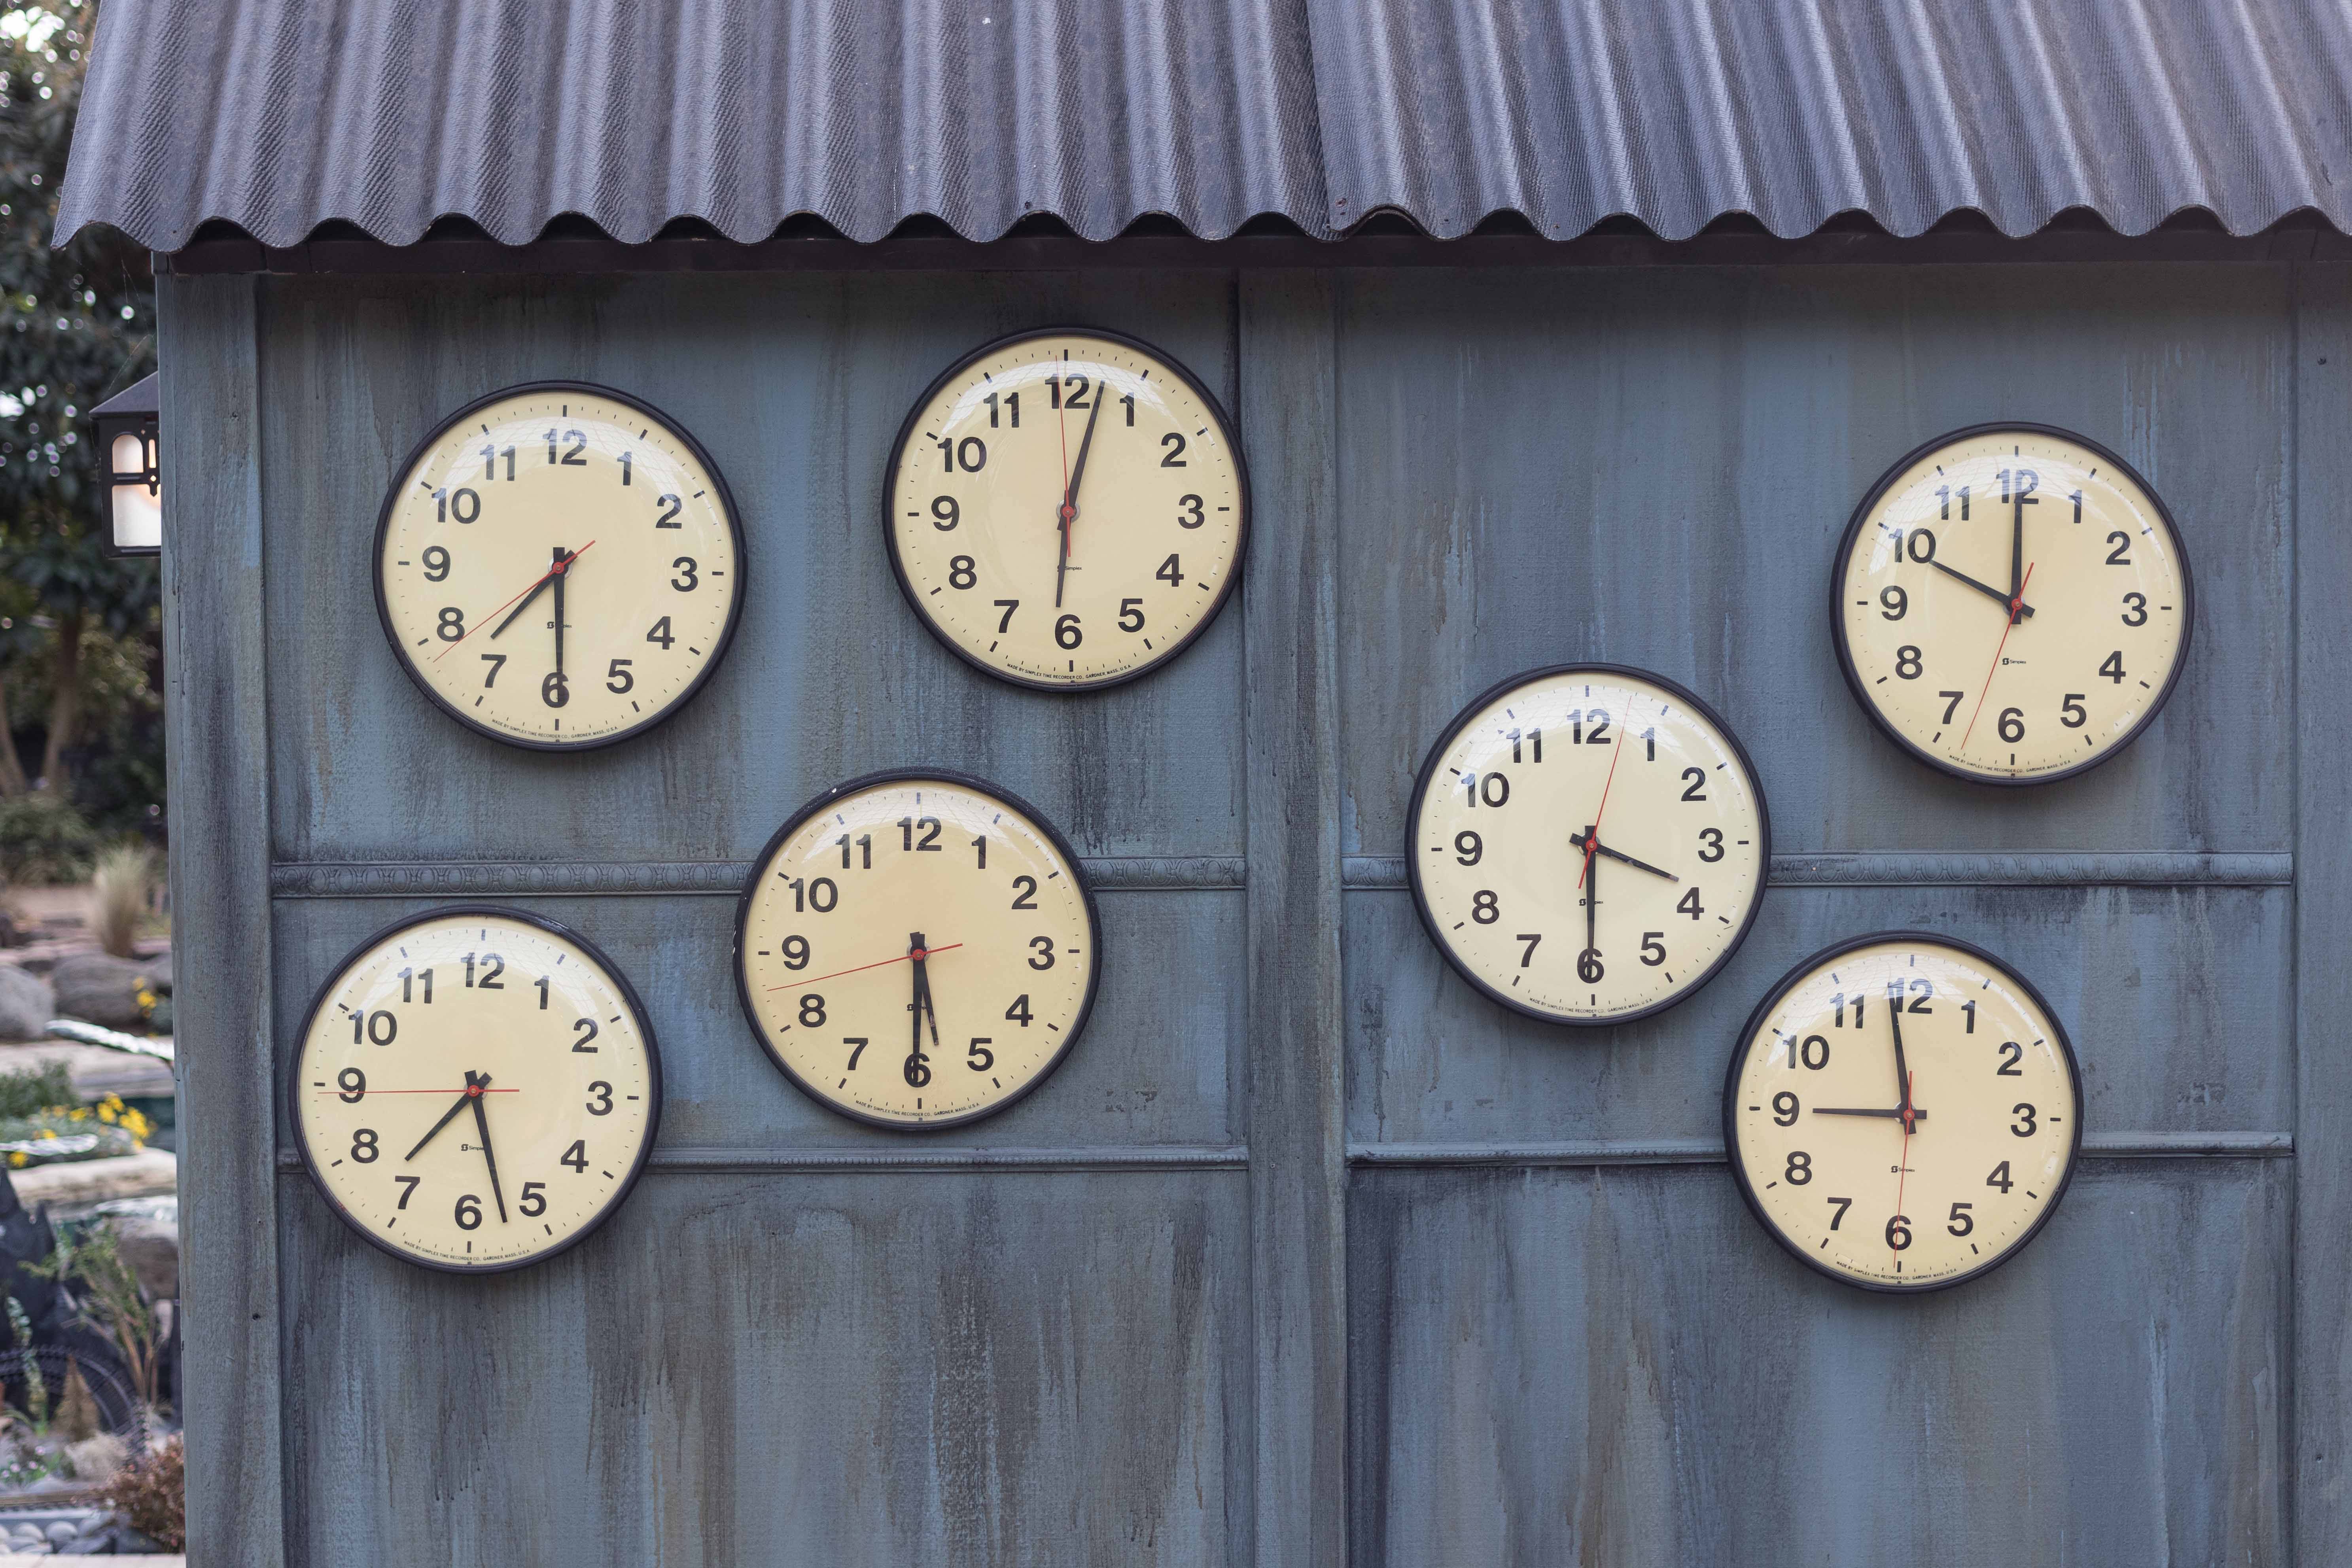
{"x":78,"y":1113}
{"x":19,"y":1158}
{"x":106,"y":1114}
{"x":48,"y":1131}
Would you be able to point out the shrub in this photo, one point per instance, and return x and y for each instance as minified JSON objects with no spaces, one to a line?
{"x":152,"y":1495}
{"x":118,"y":896}
{"x":44,"y":840}
{"x":28,"y":1092}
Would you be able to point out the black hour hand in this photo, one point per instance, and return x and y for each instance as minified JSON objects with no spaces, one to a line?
{"x":1985,"y":588}
{"x":1579,"y":841}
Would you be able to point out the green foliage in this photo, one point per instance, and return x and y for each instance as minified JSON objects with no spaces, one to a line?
{"x":118,"y":767}
{"x":28,"y":1092}
{"x":77,"y":325}
{"x":107,"y":1296}
{"x":43,"y":839}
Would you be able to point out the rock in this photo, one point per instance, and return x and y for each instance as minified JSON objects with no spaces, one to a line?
{"x":27,"y":1003}
{"x":100,"y":989}
{"x":153,"y":1250}
{"x":159,"y":973}
{"x":81,"y":1182}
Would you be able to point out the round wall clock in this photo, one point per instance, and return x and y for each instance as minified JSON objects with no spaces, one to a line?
{"x":917,"y":948}
{"x":1589,"y":843}
{"x":1066,"y":509}
{"x":2011,"y":604}
{"x":1902,"y":1111}
{"x":559,"y":567}
{"x":475,"y":1089}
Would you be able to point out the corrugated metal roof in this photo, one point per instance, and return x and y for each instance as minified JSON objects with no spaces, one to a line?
{"x":280,"y":115}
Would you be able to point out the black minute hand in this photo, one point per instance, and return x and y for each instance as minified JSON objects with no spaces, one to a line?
{"x":1902,"y":1071}
{"x":1070,"y":500}
{"x":482,"y":1125}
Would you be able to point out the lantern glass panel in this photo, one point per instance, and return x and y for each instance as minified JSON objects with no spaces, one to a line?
{"x":137,"y":506}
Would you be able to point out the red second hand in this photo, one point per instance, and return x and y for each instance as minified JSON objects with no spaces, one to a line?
{"x":562,"y":566}
{"x":1592,"y":839}
{"x":1903,"y":1161}
{"x":927,"y":953}
{"x":2014,"y":605}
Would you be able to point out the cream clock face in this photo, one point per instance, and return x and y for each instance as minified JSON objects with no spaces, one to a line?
{"x":1910,"y":1150}
{"x":1067,"y":508}
{"x":917,"y":948}
{"x":559,"y":567}
{"x":2011,"y":604}
{"x":476,"y":1089}
{"x":1589,"y":843}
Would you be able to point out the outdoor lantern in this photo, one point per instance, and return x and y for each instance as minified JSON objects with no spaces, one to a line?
{"x":127,"y":427}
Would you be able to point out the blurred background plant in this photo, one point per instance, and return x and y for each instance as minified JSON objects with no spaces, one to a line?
{"x":121,"y":889}
{"x":29,"y":1092}
{"x":151,"y":1494}
{"x":44,"y":840}
{"x":106,"y":1291}
{"x":80,"y":645}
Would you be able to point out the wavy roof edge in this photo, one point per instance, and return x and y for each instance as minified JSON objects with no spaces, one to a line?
{"x":1847,"y":232}
{"x":1388,"y":220}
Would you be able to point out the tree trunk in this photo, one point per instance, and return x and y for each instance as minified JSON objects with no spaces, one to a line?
{"x":12,"y":772}
{"x":64,"y":708}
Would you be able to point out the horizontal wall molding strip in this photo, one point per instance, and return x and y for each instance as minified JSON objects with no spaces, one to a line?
{"x":1709,"y":1151}
{"x":1927,"y":869}
{"x":688,"y":1161}
{"x":1145,"y":873}
{"x":621,"y":879}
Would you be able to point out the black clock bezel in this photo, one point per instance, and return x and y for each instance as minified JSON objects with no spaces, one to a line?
{"x":1161,"y":659}
{"x":1763,"y":1011}
{"x":953,"y":778}
{"x":398,"y":487}
{"x":1877,"y":492}
{"x":629,"y":999}
{"x":1494,"y":693}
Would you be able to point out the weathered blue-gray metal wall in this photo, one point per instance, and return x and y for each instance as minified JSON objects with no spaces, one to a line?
{"x":1308,"y":1255}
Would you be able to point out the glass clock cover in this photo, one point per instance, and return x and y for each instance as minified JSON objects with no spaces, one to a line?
{"x":1903,"y":1150}
{"x":1067,"y":508}
{"x":2011,"y":604}
{"x":559,"y":567}
{"x":917,"y":948}
{"x":475,"y":1089}
{"x":1548,"y":763}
